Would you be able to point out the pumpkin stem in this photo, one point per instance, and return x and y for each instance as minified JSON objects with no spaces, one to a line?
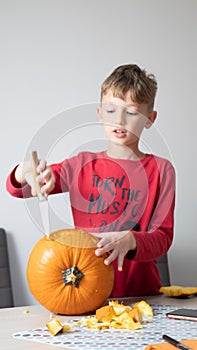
{"x":72,"y":276}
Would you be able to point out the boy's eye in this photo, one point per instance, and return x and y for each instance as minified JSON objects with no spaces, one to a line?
{"x":132,"y":113}
{"x":110,"y":110}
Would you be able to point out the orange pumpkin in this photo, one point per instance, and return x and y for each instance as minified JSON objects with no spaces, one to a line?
{"x":65,"y":276}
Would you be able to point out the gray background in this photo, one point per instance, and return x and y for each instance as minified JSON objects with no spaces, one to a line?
{"x":54,"y":56}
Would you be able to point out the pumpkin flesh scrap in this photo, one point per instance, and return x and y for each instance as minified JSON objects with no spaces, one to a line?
{"x":117,"y":315}
{"x":54,"y":326}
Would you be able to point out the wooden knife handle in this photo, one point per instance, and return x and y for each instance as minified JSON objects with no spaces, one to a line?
{"x":34,"y":163}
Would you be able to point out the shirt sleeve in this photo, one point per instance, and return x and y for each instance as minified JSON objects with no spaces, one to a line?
{"x":155,"y":242}
{"x":24,"y":191}
{"x":15,"y":188}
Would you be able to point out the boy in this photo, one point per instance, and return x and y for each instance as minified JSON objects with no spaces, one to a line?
{"x":123,"y":196}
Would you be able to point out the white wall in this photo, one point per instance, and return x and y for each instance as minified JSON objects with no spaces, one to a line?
{"x":54,"y":56}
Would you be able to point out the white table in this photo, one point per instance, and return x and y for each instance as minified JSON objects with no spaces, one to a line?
{"x":15,"y":319}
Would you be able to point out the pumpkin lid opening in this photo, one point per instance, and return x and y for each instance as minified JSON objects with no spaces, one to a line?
{"x":69,"y":237}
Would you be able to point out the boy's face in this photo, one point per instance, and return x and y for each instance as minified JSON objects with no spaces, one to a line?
{"x":124,"y":120}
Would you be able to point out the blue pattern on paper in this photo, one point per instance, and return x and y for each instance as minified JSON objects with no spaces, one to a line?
{"x":117,"y":339}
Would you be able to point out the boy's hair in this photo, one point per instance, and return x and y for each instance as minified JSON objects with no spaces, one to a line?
{"x":130,"y":77}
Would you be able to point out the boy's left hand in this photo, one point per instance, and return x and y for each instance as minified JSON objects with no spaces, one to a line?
{"x":119,"y":243}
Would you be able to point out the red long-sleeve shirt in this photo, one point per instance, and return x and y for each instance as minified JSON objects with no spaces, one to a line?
{"x":109,"y":194}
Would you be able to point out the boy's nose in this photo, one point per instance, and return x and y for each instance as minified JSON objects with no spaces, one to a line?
{"x":120,"y":117}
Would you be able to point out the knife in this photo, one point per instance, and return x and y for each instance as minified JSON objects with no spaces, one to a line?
{"x":175,"y":342}
{"x":42,"y":199}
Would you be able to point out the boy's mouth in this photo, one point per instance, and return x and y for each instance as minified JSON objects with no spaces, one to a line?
{"x":119,"y":132}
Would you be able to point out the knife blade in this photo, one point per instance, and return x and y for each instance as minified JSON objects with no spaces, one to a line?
{"x":42,"y":199}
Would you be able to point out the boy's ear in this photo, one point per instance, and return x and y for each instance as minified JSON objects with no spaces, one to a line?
{"x":99,"y":113}
{"x":151,"y":119}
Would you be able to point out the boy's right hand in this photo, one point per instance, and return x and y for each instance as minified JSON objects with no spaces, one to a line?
{"x":46,"y":179}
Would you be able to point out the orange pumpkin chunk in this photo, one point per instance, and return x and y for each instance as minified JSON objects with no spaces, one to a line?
{"x":54,"y":326}
{"x":103,"y":312}
{"x":117,"y":315}
{"x":135,"y":315}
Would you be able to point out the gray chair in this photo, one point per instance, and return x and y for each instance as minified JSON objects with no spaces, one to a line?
{"x":162,"y":264}
{"x":6,"y":297}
